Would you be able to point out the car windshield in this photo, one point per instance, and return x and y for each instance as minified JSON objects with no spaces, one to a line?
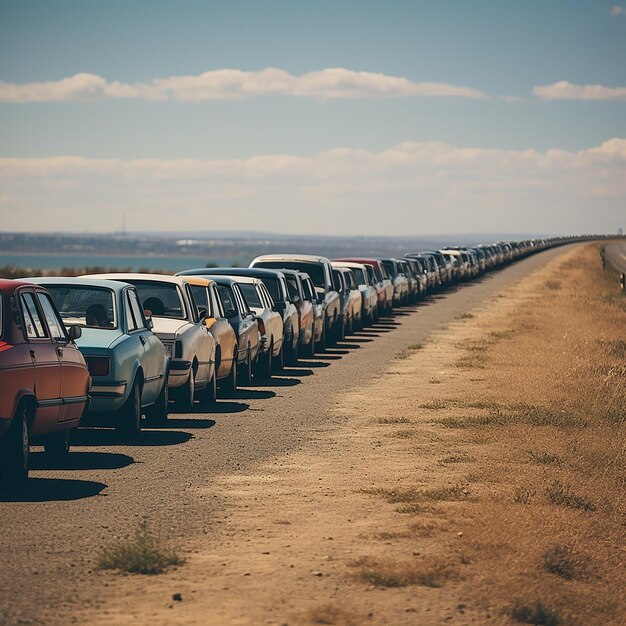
{"x":250,"y":294}
{"x":93,"y":307}
{"x":161,"y":299}
{"x":314,"y":270}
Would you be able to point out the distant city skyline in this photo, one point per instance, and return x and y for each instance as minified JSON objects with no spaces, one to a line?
{"x":356,"y":118}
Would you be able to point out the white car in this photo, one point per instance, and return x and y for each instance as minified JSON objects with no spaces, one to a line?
{"x":369,"y":297}
{"x":168,"y":300}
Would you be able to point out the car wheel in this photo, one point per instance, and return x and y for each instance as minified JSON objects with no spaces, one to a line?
{"x":294,"y":354}
{"x":230,"y":384}
{"x":57,"y":444}
{"x":188,"y":392}
{"x":310,"y":349}
{"x":323,"y":346}
{"x":14,"y":449}
{"x":245,"y":375}
{"x":159,"y":411}
{"x":278,"y":363}
{"x":209,"y":394}
{"x":264,"y":367}
{"x":130,"y":414}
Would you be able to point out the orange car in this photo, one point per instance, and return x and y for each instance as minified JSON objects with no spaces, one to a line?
{"x":44,"y":381}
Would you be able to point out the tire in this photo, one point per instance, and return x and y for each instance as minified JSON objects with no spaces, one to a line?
{"x":294,"y":355}
{"x":264,"y":364}
{"x":58,"y":443}
{"x":14,"y":449}
{"x":130,"y":414}
{"x":278,"y":362}
{"x":245,"y":375}
{"x":229,"y":386}
{"x":209,"y":394}
{"x":187,"y":393}
{"x":310,"y":348}
{"x":159,"y":411}
{"x":323,"y":345}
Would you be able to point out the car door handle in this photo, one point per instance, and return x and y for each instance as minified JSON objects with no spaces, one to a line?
{"x":33,"y":355}
{"x":142,"y":339}
{"x":60,"y":351}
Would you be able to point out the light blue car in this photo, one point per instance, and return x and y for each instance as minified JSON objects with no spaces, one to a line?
{"x":126,"y":360}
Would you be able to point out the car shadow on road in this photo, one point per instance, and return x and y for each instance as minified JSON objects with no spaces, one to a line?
{"x":247,"y":393}
{"x":189,"y":422}
{"x":346,"y":344}
{"x":315,"y":363}
{"x":357,"y":338}
{"x":79,"y":461}
{"x":226,"y":405}
{"x":109,"y":437}
{"x":297,"y":370}
{"x":51,"y":490}
{"x":278,"y":381}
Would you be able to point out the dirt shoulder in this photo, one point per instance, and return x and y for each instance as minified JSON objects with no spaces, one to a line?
{"x":479,"y":480}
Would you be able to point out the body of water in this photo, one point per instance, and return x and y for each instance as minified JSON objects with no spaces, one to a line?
{"x":152,"y":263}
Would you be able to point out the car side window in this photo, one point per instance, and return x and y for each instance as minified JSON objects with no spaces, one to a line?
{"x":54,"y":323}
{"x":217,"y":302}
{"x":201,"y":299}
{"x":34,"y":327}
{"x":139,"y":320}
{"x":131,"y":322}
{"x":269,"y":303}
{"x":241,"y":301}
{"x":229,"y":304}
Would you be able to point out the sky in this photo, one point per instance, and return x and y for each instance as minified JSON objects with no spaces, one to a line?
{"x":354,"y":117}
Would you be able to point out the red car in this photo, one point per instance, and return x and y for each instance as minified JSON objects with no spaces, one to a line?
{"x":44,"y":381}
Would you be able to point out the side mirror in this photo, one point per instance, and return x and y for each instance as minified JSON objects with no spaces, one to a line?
{"x":149,"y":323}
{"x":279,"y":307}
{"x":74,"y":332}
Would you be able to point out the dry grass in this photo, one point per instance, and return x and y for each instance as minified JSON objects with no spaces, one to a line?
{"x":142,"y":553}
{"x":428,"y":572}
{"x":394,"y":420}
{"x":534,"y":613}
{"x":331,"y":615}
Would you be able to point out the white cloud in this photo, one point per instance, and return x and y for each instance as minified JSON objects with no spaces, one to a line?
{"x":564,"y":90}
{"x":617,"y":10}
{"x":409,"y":187}
{"x":233,"y":84}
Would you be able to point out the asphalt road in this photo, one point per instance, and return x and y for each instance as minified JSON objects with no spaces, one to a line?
{"x":615,"y":253}
{"x":52,"y":531}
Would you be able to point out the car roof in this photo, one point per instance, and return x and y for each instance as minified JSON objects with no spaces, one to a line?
{"x":224,"y":280}
{"x":202,"y":281}
{"x":233,"y":271}
{"x":9,"y":285}
{"x":309,"y":258}
{"x":162,"y":278}
{"x":114,"y":285}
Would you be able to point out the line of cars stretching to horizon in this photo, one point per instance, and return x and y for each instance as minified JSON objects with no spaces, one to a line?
{"x":112,"y":349}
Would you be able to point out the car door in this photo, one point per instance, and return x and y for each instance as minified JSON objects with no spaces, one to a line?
{"x":224,"y":328}
{"x":149,"y":346}
{"x":43,"y":353}
{"x":74,"y":376}
{"x":204,"y":342}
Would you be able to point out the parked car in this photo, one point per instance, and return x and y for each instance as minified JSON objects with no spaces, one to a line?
{"x":269,"y":321}
{"x":306,"y":314}
{"x":369,"y":296}
{"x":399,"y":281}
{"x":244,"y":322}
{"x":413,"y":284}
{"x":276,"y":284}
{"x":168,"y":301}
{"x":44,"y":381}
{"x":127,"y":362}
{"x":209,"y":306}
{"x":319,"y":312}
{"x":350,"y":298}
{"x":385,"y":294}
{"x":320,"y":271}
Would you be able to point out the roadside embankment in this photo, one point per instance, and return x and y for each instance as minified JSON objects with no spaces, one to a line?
{"x":479,"y":480}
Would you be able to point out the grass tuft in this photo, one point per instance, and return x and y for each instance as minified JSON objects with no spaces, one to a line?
{"x":558,"y":559}
{"x":534,"y":613}
{"x":392,"y":573}
{"x":394,"y":420}
{"x":329,"y":615}
{"x":562,"y":495}
{"x":465,"y":316}
{"x":544,"y":458}
{"x":142,"y":553}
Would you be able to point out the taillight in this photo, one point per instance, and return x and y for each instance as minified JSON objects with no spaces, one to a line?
{"x":98,"y":365}
{"x":178,"y":350}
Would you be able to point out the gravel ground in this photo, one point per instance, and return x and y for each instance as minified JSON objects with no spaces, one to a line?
{"x":52,"y":530}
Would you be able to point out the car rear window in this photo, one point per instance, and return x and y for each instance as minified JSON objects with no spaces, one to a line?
{"x":314,"y":270}
{"x":93,"y":307}
{"x":162,"y":299}
{"x":250,"y":294}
